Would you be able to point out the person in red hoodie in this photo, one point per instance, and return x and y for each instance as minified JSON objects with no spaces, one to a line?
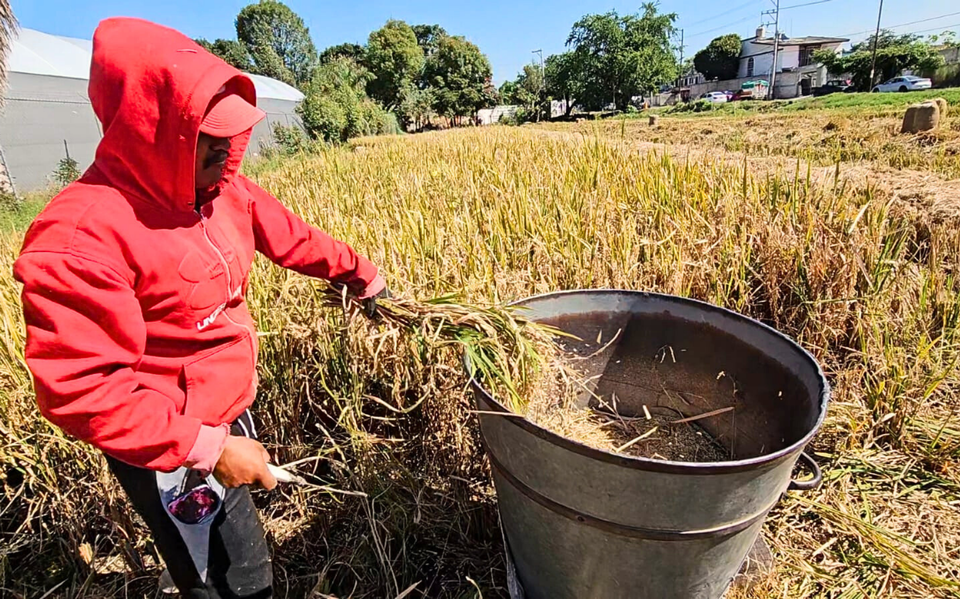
{"x":139,"y":338}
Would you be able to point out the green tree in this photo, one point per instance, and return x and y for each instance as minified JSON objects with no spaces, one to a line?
{"x":895,"y":54}
{"x":720,"y":59}
{"x":562,"y":77}
{"x":416,"y":106}
{"x":231,"y":51}
{"x":510,"y":93}
{"x":428,"y":37}
{"x":528,"y":90}
{"x":946,"y":39}
{"x":354,"y":52}
{"x":336,"y":106}
{"x":460,"y":75}
{"x":395,"y":60}
{"x":277,"y":40}
{"x":622,"y":56}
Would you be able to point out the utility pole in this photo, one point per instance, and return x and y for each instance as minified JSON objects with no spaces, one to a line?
{"x":776,"y":47}
{"x":681,"y":61}
{"x":543,"y":79}
{"x":876,"y":39}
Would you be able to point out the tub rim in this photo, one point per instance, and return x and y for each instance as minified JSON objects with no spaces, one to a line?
{"x":648,"y":464}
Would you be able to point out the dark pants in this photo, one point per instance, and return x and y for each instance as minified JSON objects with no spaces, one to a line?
{"x":239,"y":562}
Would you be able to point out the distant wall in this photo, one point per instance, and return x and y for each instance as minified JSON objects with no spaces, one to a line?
{"x":489,"y":116}
{"x":46,"y":117}
{"x":40,"y":115}
{"x":950,"y":55}
{"x":281,"y":112}
{"x":788,"y":85}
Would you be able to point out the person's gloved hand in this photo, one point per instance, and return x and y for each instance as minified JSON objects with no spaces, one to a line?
{"x":369,"y":304}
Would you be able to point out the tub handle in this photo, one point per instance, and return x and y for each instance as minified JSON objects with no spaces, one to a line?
{"x":809,"y":484}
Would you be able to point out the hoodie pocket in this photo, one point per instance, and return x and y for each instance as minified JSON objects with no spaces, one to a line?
{"x":220,"y":384}
{"x":202,"y":283}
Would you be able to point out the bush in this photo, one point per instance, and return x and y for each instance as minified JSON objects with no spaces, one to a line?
{"x":290,"y":140}
{"x":337,"y":108}
{"x":695,"y":106}
{"x":522,"y":115}
{"x":67,"y":172}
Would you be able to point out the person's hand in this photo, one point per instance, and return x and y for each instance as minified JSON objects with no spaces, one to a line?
{"x":370,"y":304}
{"x":244,"y":462}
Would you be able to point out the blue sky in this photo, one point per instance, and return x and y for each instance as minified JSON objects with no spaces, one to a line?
{"x":506,"y":30}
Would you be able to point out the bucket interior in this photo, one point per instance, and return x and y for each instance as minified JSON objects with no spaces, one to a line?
{"x":689,"y":366}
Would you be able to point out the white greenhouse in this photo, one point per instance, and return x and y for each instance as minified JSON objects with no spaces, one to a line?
{"x":47,"y":114}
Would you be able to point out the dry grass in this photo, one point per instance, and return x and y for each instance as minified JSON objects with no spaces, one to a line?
{"x":866,"y":283}
{"x":823,"y":138}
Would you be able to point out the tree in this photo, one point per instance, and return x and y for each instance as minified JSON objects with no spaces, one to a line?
{"x":527,"y":90}
{"x":510,"y":93}
{"x":354,"y":52}
{"x":231,"y":51}
{"x":336,"y":106}
{"x":395,"y":60}
{"x":562,"y":76}
{"x":895,"y":54}
{"x":416,"y":106}
{"x":428,"y":37}
{"x":720,"y":59}
{"x":460,"y":75}
{"x":277,"y":40}
{"x":621,"y":57}
{"x":8,"y":29}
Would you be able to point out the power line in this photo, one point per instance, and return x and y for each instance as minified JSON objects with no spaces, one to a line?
{"x":723,"y":26}
{"x":725,"y":13}
{"x":941,"y":28}
{"x":805,"y":4}
{"x":748,"y":18}
{"x":949,"y":14}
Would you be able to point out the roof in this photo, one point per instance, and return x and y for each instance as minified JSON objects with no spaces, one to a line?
{"x":274,"y":89}
{"x":38,"y":53}
{"x":809,"y":40}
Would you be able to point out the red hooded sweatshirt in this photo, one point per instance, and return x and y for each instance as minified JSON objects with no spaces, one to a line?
{"x":138,"y":334}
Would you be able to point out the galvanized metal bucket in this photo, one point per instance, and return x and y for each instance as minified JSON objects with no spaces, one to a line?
{"x":583,"y":523}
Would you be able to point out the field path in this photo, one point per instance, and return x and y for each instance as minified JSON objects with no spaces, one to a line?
{"x":927,"y":191}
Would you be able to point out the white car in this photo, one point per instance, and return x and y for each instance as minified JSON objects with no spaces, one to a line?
{"x":907,"y":83}
{"x":714,"y":97}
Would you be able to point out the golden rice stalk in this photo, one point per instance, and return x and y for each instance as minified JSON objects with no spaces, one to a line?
{"x":503,"y":350}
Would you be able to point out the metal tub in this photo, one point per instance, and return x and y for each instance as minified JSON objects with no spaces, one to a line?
{"x":584,"y":523}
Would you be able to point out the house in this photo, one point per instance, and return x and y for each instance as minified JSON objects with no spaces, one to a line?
{"x":691,"y":77}
{"x":795,"y":55}
{"x":797,"y":72}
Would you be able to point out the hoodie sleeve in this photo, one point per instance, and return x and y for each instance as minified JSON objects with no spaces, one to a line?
{"x":85,"y":337}
{"x":285,"y":239}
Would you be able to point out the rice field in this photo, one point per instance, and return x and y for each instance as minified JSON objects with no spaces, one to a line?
{"x":865,"y":281}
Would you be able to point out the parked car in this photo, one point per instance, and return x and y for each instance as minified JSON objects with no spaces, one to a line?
{"x":833,"y":86}
{"x":906,"y":83}
{"x":714,"y":97}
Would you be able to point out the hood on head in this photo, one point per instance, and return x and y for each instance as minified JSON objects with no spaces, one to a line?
{"x":150,"y":87}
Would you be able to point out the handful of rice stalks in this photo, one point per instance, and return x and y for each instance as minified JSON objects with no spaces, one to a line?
{"x":506,"y":352}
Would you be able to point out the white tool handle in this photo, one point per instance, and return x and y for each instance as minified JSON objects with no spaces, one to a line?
{"x":282,"y":475}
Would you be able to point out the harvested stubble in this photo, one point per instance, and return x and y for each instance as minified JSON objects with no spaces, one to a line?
{"x":867,"y":285}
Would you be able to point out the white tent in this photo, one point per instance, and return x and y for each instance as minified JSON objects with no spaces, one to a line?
{"x":47,"y":113}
